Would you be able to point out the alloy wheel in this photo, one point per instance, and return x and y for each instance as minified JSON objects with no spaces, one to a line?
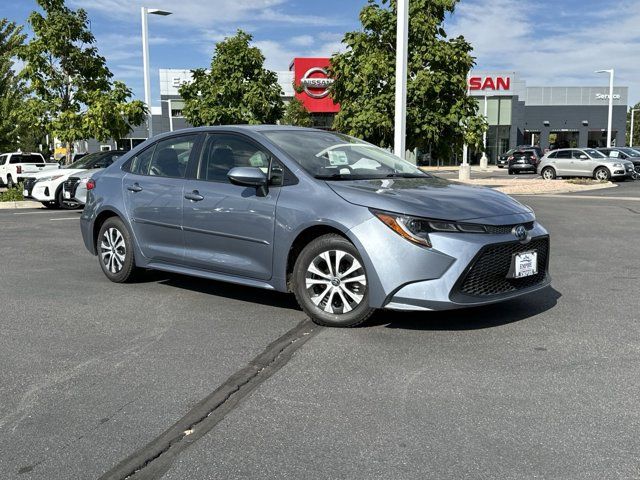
{"x":113,"y":250}
{"x":335,"y":281}
{"x":547,"y":174}
{"x":602,"y":174}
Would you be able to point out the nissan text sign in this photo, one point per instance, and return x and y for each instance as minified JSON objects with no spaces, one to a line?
{"x":490,"y":83}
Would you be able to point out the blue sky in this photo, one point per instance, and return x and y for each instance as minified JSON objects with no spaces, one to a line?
{"x":548,"y":42}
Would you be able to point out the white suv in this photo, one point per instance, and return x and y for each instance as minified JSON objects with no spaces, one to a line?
{"x":16,"y":166}
{"x":47,"y":187}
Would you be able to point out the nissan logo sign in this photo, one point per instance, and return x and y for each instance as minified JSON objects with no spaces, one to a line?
{"x":316,"y":87}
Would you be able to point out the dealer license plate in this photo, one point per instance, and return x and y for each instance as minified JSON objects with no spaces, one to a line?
{"x":25,"y":193}
{"x":524,"y":264}
{"x":67,"y":194}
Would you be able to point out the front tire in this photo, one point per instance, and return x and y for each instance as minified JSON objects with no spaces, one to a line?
{"x":10,"y":182}
{"x":65,"y":204}
{"x":330,"y":283}
{"x":602,"y":174}
{"x":115,"y":251}
{"x":511,"y":172}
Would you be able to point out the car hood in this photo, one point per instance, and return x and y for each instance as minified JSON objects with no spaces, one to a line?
{"x":67,"y":172}
{"x":435,"y":198}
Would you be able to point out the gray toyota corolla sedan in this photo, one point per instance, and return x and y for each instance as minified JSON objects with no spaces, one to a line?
{"x":344,"y":225}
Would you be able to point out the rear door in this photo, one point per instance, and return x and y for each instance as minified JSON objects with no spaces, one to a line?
{"x":153,"y":191}
{"x":563,"y":163}
{"x":230,"y":228}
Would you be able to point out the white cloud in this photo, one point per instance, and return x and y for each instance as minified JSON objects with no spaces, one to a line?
{"x":508,"y":35}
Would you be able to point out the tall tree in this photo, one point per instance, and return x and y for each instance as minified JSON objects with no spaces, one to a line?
{"x":295,"y":113}
{"x":635,"y":141}
{"x":439,"y":112}
{"x":11,"y":89}
{"x":73,"y":94}
{"x":237,"y":89}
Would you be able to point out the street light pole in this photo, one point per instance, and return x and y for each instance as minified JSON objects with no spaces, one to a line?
{"x":609,"y":122}
{"x":633,"y":110}
{"x":144,"y":11}
{"x":402,"y":41}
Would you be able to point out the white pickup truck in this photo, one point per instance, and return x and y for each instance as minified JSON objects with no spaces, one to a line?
{"x":15,"y":166}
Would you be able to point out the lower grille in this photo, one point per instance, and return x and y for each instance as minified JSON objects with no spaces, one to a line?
{"x":71,"y":185}
{"x":487,"y":274}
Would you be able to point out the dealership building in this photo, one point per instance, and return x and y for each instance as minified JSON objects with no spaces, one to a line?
{"x":518,"y":114}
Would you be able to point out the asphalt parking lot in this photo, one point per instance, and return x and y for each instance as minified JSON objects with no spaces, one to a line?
{"x":541,"y":387}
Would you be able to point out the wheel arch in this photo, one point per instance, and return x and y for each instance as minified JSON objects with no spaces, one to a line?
{"x":303,"y":238}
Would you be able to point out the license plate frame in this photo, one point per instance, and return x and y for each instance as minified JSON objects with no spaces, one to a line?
{"x":523,"y":264}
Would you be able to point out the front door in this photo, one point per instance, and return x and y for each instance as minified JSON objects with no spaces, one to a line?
{"x":153,"y":193}
{"x":229,"y":228}
{"x":582,"y":165}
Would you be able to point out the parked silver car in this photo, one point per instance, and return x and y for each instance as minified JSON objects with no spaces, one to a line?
{"x":583,"y":162}
{"x":344,"y":225}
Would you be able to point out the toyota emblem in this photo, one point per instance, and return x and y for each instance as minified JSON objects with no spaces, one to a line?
{"x":520,"y":233}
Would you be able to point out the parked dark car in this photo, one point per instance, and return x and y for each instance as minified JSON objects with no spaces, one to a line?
{"x":624,"y":153}
{"x":523,"y":161}
{"x":503,"y":159}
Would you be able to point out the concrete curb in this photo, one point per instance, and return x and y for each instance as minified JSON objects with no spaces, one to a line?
{"x":20,"y":204}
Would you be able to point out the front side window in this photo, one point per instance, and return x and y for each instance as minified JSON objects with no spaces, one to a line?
{"x":594,"y":153}
{"x":171,"y":156}
{"x":222,"y":152}
{"x":334,"y":156}
{"x":564,"y":154}
{"x":614,"y":154}
{"x":578,"y":154}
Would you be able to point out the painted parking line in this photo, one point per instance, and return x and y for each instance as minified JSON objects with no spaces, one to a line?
{"x":580,"y":197}
{"x":41,"y":211}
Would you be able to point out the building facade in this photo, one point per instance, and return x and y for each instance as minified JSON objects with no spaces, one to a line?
{"x":518,"y":114}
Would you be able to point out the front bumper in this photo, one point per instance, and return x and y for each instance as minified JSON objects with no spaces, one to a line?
{"x":416,"y":278}
{"x":43,"y":192}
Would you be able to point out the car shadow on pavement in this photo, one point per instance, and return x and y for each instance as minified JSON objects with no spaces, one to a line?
{"x":222,"y":289}
{"x":473,"y":318}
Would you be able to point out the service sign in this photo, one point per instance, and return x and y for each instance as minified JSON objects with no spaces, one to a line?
{"x":490,"y":83}
{"x":310,"y":77}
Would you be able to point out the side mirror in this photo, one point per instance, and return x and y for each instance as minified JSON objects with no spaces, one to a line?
{"x":249,"y":177}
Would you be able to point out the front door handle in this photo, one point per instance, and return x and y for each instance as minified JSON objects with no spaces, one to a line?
{"x":134,"y":188}
{"x":194,"y":196}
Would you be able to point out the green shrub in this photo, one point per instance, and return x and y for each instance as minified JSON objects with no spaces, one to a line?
{"x":13,"y":194}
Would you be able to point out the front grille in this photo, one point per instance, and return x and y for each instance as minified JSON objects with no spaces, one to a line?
{"x":504,"y":229}
{"x":488,"y":271}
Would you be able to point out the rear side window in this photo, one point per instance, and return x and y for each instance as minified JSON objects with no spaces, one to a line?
{"x":141,"y":162}
{"x":171,"y":156}
{"x":3,"y":159}
{"x":613,"y":154}
{"x":553,"y":155}
{"x":26,"y":159}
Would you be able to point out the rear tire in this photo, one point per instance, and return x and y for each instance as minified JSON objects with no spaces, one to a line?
{"x":548,"y":173}
{"x":115,"y":251}
{"x":330,"y":283}
{"x":50,"y":205}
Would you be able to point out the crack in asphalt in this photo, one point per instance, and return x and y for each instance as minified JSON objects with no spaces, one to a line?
{"x":154,"y":459}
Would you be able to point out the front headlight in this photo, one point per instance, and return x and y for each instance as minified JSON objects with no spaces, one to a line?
{"x":49,"y":179}
{"x":619,"y":165}
{"x":417,"y":230}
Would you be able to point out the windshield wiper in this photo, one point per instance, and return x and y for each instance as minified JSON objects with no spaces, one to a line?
{"x":335,"y":176}
{"x":407,"y":175}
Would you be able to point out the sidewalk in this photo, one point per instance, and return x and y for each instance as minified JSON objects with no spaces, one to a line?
{"x":20,"y":204}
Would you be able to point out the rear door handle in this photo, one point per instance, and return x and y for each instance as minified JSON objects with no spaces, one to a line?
{"x":195,"y":196}
{"x":134,"y":188}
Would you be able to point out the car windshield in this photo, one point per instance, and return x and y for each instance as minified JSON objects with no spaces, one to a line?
{"x":86,"y":161}
{"x":594,"y":153}
{"x":334,"y":156}
{"x":631,"y":152}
